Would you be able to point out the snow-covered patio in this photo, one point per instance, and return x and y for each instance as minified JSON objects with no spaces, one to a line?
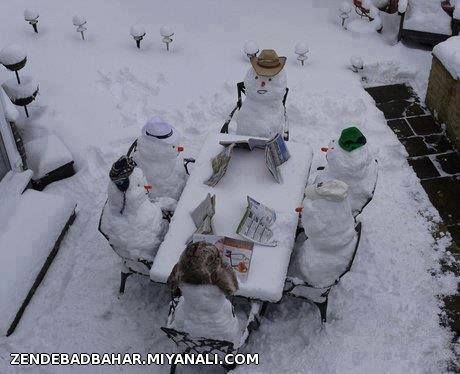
{"x":96,"y":94}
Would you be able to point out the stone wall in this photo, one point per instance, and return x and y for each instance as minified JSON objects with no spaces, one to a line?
{"x":443,"y":98}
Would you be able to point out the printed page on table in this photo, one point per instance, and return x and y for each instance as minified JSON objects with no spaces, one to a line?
{"x":235,"y":252}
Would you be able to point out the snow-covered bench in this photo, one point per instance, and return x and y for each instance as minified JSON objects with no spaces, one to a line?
{"x":32,"y":225}
{"x":428,"y":21}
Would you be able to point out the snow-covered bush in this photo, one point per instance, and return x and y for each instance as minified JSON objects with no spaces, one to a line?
{"x":14,"y":58}
{"x":301,"y":49}
{"x":79,"y":22}
{"x":167,"y":32}
{"x":251,"y":48}
{"x":138,"y":33}
{"x":31,"y":16}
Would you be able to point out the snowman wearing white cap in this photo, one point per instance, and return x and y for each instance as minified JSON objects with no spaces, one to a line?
{"x":158,"y":155}
{"x":330,"y":228}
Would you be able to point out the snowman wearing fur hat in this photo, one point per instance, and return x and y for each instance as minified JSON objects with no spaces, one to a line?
{"x":204,"y":282}
{"x":330,"y":228}
{"x":262,"y":113}
{"x":157,"y":154}
{"x":132,"y":223}
{"x":349,"y":160}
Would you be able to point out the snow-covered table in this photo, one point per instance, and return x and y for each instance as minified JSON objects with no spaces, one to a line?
{"x":246,"y":175}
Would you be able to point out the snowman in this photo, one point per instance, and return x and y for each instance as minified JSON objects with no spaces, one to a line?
{"x":330,"y":228}
{"x":204,"y":282}
{"x":350,"y":161}
{"x":262,"y":113}
{"x":132,"y":223}
{"x":157,"y":154}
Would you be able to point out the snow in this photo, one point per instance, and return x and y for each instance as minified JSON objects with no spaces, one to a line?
{"x":45,"y":154}
{"x":428,"y":16}
{"x":166,"y":31}
{"x":301,"y":48}
{"x":448,"y":53}
{"x":137,"y":31}
{"x":7,"y":113}
{"x":402,"y":6}
{"x":231,"y":202}
{"x":204,"y":311}
{"x":456,"y":14}
{"x":33,"y":227}
{"x":30,"y":15}
{"x":12,"y":54}
{"x":250,"y":48}
{"x":262,"y":112}
{"x":78,"y":20}
{"x":26,"y":89}
{"x":10,"y":111}
{"x":137,"y":233}
{"x":383,"y":316}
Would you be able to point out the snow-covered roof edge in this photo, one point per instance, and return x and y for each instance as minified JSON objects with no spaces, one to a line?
{"x":6,"y":115}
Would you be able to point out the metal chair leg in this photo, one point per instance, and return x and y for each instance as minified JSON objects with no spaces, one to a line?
{"x":124,"y":276}
{"x":172,"y":369}
{"x":323,"y":310}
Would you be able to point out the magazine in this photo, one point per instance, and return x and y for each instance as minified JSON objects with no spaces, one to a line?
{"x":203,"y":213}
{"x":256,"y":222}
{"x":276,"y":154}
{"x":235,"y":252}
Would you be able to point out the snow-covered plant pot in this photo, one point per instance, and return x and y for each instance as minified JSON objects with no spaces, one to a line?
{"x":167,"y":32}
{"x":14,"y":58}
{"x":301,"y":49}
{"x":251,"y":49}
{"x":138,"y":33}
{"x":31,"y":16}
{"x":79,"y":22}
{"x":21,"y":94}
{"x":356,"y":63}
{"x":345,"y":10}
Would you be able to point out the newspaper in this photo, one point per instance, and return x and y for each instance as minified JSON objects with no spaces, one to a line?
{"x":236,"y":253}
{"x":203,"y":213}
{"x":219,"y":165}
{"x":256,"y":222}
{"x":276,"y":154}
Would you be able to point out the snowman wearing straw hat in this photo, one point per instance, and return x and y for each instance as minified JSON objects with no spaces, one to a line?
{"x":262,"y":113}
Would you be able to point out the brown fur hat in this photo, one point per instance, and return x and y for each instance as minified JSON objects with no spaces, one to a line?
{"x":201,"y":263}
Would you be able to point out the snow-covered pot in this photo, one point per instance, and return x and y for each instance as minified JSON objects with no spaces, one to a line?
{"x":138,"y":33}
{"x":251,"y":48}
{"x":31,"y":16}
{"x":21,"y":94}
{"x":167,"y":32}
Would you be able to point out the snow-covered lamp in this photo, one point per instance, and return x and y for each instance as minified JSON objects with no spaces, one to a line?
{"x":138,"y":33}
{"x":167,"y":32}
{"x":356,"y":63}
{"x":14,"y":58}
{"x":301,"y":49}
{"x":21,"y":94}
{"x":79,"y":22}
{"x":251,"y":48}
{"x":345,"y":10}
{"x":31,"y":16}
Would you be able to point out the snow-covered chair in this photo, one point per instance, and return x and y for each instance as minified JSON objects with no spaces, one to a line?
{"x":241,"y":89}
{"x":319,"y":295}
{"x":194,"y":345}
{"x":428,"y":21}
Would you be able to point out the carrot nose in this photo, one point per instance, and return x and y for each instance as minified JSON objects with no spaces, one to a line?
{"x":180,"y":149}
{"x":324,"y":149}
{"x":299,"y":209}
{"x":262,"y":84}
{"x":148,"y":187}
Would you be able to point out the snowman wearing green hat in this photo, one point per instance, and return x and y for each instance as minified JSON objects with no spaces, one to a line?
{"x":349,"y":160}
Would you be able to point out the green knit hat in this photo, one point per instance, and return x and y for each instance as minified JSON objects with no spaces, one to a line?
{"x":351,"y":139}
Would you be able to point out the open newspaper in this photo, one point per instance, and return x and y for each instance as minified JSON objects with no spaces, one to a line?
{"x":256,"y":224}
{"x":236,"y":253}
{"x":276,"y":154}
{"x":203,"y":213}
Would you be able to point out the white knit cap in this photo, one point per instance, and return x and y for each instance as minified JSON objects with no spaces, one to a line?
{"x":157,"y":129}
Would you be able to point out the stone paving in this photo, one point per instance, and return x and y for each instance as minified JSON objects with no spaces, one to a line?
{"x":435,"y":161}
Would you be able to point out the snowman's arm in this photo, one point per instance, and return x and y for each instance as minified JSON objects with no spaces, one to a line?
{"x":285,"y":97}
{"x":240,"y":89}
{"x":186,"y":162}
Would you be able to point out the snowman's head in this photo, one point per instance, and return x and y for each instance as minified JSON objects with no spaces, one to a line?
{"x":132,"y":198}
{"x":264,"y":88}
{"x":161,"y":138}
{"x":351,"y":163}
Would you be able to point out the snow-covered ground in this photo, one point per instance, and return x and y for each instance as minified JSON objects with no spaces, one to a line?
{"x":96,"y":95}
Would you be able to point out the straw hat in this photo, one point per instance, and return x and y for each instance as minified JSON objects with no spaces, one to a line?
{"x":157,"y":128}
{"x":267,"y":63}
